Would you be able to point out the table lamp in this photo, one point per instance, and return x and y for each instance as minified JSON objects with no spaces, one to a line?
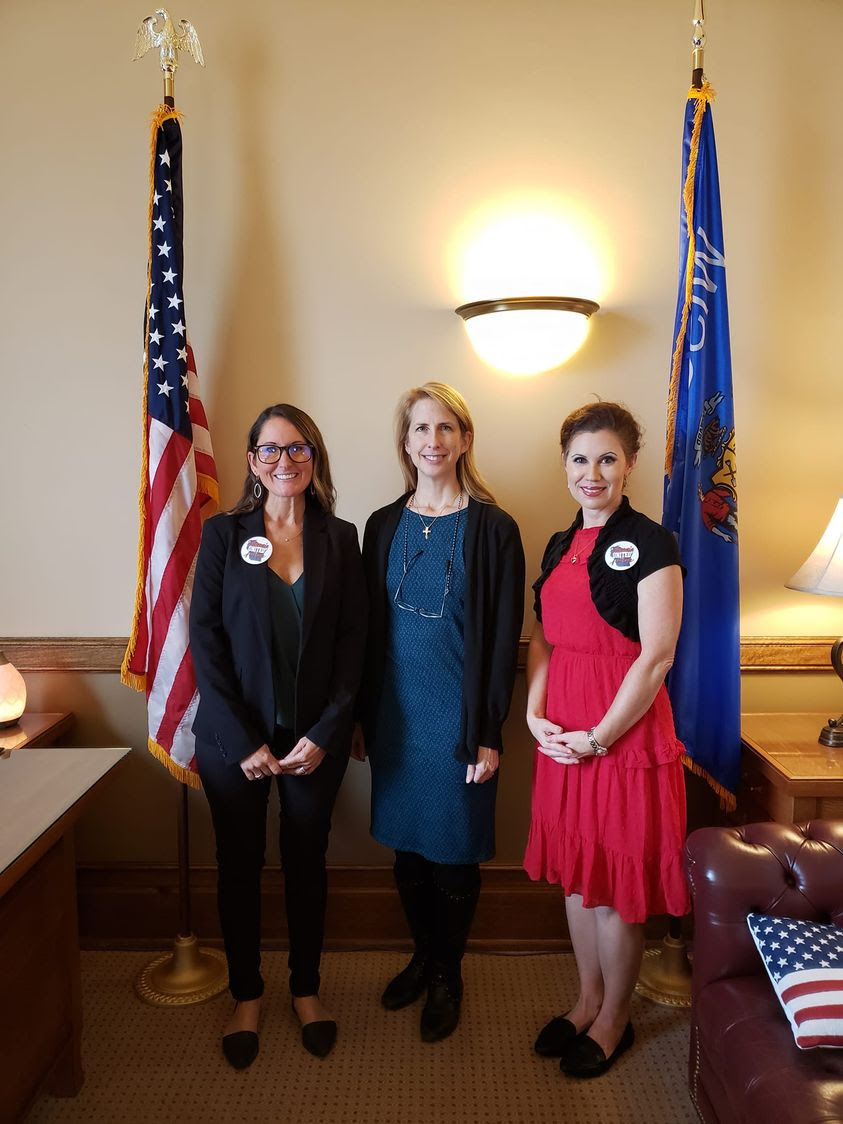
{"x":822,"y":572}
{"x":12,"y":693}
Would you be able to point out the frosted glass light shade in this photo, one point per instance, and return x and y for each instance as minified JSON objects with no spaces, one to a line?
{"x":527,"y":335}
{"x":12,"y":693}
{"x":822,"y":571}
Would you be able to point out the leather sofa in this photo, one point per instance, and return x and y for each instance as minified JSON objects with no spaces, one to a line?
{"x":744,"y":1066}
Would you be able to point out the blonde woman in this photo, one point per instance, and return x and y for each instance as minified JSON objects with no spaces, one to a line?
{"x":445,"y":571}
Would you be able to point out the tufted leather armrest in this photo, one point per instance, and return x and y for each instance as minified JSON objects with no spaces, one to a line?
{"x":787,"y":870}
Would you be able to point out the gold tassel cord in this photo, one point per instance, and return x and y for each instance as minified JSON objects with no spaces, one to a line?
{"x":702,"y":97}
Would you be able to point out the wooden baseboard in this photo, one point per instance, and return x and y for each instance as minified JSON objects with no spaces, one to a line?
{"x":133,"y":906}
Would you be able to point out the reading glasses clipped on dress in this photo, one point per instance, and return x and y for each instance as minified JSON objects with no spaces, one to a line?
{"x":271,"y":454}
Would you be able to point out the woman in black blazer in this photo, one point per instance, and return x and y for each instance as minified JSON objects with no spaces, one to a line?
{"x":277,"y":631}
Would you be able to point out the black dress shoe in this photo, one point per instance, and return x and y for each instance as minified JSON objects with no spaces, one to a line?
{"x":441,"y":1013}
{"x":318,"y":1038}
{"x":407,"y":986}
{"x":555,"y":1038}
{"x":240,"y":1048}
{"x":586,"y":1058}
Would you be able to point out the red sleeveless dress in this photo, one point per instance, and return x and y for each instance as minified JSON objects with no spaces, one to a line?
{"x":610,"y":828}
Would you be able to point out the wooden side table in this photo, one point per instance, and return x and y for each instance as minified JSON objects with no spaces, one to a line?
{"x":34,"y":730}
{"x":787,"y":776}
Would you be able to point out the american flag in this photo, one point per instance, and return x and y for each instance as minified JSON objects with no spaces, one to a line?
{"x":178,"y":475}
{"x":805,"y":964}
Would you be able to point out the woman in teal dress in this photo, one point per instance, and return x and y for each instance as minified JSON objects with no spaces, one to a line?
{"x":445,"y":571}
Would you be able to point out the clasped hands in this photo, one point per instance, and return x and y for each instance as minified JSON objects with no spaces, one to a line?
{"x":565,"y":747}
{"x":303,"y":758}
{"x":476,"y":772}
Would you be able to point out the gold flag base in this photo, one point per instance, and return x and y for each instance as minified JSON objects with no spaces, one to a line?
{"x":186,"y":975}
{"x":665,"y":975}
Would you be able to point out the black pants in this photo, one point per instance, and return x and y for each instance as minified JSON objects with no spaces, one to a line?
{"x":238,"y":810}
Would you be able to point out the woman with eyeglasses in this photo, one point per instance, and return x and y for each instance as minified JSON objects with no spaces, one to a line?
{"x":277,"y":633}
{"x":445,"y":570}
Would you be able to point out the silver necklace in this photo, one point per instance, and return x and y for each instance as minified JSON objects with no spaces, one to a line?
{"x":449,"y":565}
{"x":427,"y":527}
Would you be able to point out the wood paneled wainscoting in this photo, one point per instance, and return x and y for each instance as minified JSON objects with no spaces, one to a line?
{"x":135,"y":904}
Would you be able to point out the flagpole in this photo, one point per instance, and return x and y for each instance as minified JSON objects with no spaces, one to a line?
{"x":665,"y":975}
{"x":698,"y":39}
{"x":188,"y":974}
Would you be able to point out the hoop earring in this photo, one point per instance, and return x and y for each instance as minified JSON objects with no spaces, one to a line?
{"x":312,"y":490}
{"x":257,"y":490}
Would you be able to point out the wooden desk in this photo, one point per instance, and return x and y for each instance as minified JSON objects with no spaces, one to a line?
{"x":43,"y":791}
{"x":787,"y":776}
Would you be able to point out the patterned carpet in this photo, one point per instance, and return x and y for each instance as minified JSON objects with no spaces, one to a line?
{"x":146,"y":1065}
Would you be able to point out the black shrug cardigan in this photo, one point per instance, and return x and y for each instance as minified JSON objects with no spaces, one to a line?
{"x":615,"y":592}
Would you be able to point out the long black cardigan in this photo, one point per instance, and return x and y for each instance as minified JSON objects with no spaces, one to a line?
{"x":494,"y":613}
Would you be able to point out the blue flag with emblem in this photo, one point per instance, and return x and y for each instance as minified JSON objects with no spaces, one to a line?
{"x":700,"y":487}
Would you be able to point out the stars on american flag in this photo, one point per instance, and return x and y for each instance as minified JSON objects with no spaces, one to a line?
{"x":825,"y":945}
{"x":168,"y":396}
{"x":806,"y":975}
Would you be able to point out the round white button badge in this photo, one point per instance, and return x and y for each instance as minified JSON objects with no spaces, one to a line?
{"x":256,"y":550}
{"x":621,"y":555}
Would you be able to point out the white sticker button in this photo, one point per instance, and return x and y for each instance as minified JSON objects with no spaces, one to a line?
{"x":621,"y":555}
{"x":256,"y":550}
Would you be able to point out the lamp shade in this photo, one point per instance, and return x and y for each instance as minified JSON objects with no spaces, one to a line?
{"x":527,"y":335}
{"x":12,"y":693}
{"x":822,"y":571}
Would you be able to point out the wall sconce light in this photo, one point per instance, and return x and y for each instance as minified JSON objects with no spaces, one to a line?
{"x":822,"y":572}
{"x":12,"y":693}
{"x":527,"y":335}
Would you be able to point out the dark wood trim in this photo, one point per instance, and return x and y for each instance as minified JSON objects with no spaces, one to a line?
{"x":105,"y":653}
{"x":65,"y":653}
{"x":133,"y":906}
{"x":786,"y":653}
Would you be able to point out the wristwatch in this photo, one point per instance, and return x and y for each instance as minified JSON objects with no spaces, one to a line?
{"x":599,"y":750}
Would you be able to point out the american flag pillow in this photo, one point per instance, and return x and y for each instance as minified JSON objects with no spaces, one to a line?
{"x":805,"y":964}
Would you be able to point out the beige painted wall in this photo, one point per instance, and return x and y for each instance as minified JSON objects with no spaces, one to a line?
{"x":335,"y":155}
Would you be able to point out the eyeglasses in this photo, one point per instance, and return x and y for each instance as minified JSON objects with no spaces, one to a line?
{"x":427,"y":613}
{"x":271,"y":454}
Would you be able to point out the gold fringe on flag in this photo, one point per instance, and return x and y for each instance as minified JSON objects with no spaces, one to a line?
{"x":702,"y":97}
{"x":187,"y":777}
{"x":727,"y":799}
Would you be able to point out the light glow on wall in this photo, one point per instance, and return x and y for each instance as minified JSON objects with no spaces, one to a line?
{"x":528,"y":246}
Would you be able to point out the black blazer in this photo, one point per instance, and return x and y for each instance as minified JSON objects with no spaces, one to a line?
{"x":494,"y":613}
{"x":231,"y":639}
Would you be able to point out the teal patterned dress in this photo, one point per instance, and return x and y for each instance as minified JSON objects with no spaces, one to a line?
{"x":420,"y":801}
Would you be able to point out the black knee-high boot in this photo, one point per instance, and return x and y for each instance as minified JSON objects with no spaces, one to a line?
{"x":414,"y":883}
{"x":455,"y":893}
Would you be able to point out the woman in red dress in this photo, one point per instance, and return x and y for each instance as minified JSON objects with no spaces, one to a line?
{"x":608,"y":813}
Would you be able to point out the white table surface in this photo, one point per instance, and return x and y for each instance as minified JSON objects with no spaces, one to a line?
{"x":37,"y":786}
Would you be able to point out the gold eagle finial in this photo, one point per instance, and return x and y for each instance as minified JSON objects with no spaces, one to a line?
{"x":160,"y":31}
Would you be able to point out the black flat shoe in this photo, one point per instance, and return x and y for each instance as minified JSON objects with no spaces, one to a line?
{"x":586,"y":1058}
{"x":407,"y":986}
{"x":318,"y":1038}
{"x":240,"y":1048}
{"x":441,"y":1013}
{"x":555,"y":1038}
